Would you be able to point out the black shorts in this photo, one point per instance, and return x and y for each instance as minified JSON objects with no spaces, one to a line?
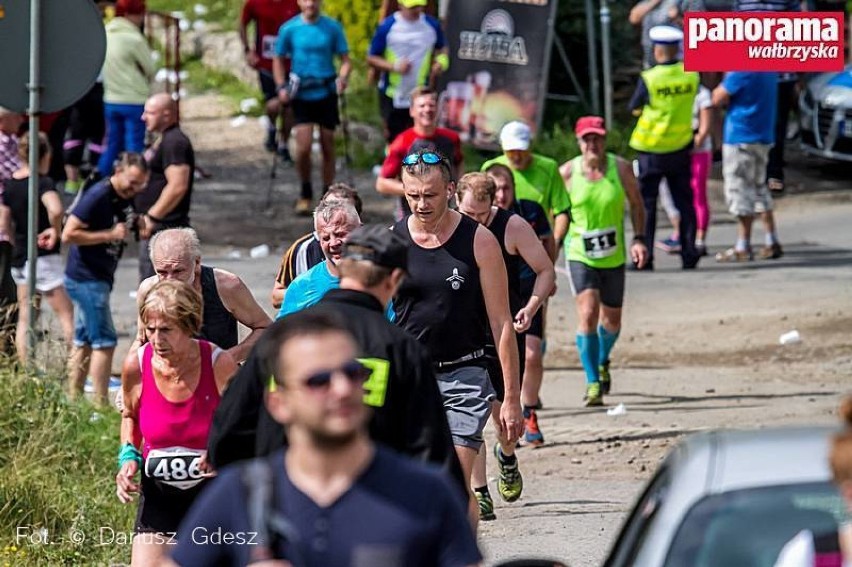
{"x":397,"y":120}
{"x":322,"y":112}
{"x":537,"y":326}
{"x":608,"y":281}
{"x":267,"y":84}
{"x":161,"y":508}
{"x":495,"y":371}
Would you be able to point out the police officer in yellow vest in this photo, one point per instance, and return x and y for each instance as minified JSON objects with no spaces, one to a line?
{"x":663,"y":137}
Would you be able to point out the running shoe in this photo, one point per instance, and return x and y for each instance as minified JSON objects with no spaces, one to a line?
{"x":302,"y":207}
{"x":284,"y":154}
{"x":670,"y":245}
{"x":510,"y":484}
{"x":270,"y":144}
{"x":732,"y":255}
{"x":486,"y":506}
{"x":772,"y":252}
{"x":532,"y":434}
{"x":593,"y":396}
{"x":701,"y":249}
{"x":606,"y":379}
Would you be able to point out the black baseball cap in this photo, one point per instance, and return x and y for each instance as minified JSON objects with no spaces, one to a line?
{"x":379,"y":245}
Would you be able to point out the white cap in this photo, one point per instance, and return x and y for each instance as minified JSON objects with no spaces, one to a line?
{"x":515,"y":135}
{"x":666,"y":35}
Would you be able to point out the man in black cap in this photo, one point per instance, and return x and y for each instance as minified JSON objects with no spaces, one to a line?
{"x":408,"y":413}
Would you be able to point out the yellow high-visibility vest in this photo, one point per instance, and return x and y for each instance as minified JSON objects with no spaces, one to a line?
{"x":666,"y":121}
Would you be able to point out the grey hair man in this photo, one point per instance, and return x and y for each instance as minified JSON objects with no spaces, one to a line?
{"x":175,"y":254}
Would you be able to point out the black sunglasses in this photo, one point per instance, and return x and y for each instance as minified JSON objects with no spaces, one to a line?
{"x":354,"y":371}
{"x":429,"y":158}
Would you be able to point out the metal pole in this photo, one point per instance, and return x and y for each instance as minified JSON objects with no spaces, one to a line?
{"x":607,"y":62}
{"x":34,"y":87}
{"x":593,"y":58}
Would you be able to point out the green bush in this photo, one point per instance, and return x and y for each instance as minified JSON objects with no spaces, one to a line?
{"x":57,"y":477}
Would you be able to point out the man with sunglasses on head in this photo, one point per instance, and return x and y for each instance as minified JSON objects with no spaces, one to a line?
{"x":599,"y":183}
{"x":334,"y":498}
{"x":456,"y":289}
{"x":408,"y":413}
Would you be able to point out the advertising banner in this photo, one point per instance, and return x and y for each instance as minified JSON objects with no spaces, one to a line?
{"x":500,"y":56}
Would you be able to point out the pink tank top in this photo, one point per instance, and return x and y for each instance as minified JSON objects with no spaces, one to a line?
{"x":177,"y":424}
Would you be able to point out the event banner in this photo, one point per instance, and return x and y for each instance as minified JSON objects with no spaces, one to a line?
{"x":500,"y":56}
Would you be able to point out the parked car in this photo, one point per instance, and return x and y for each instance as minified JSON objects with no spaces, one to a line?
{"x":731,"y":499}
{"x":825,"y":115}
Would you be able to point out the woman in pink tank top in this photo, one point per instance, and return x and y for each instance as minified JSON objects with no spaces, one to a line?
{"x":171,"y":388}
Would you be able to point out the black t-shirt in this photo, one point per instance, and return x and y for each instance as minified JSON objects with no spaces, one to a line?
{"x":441,"y":302}
{"x":16,"y":197}
{"x":174,"y":149}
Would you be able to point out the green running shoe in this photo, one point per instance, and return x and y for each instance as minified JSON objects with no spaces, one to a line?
{"x":486,"y":506}
{"x":606,"y":379}
{"x":593,"y":396}
{"x":511,"y":483}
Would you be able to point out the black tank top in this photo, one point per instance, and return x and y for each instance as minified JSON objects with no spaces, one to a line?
{"x":440,"y":302}
{"x":218,"y":325}
{"x":513,"y":261}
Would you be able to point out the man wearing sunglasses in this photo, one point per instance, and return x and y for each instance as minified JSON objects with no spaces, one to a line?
{"x":456,"y":288}
{"x":408,"y":413}
{"x":340,"y":499}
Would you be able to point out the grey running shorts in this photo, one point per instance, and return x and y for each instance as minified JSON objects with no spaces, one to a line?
{"x":467,"y":393}
{"x":608,"y":281}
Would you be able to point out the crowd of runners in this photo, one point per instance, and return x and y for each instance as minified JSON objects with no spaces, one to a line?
{"x":394,"y":344}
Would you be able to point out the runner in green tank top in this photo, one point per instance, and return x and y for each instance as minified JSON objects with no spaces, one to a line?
{"x":598,"y":183}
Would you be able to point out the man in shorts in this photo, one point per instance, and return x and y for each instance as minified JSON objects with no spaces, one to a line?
{"x":455,"y":289}
{"x":268,"y":17}
{"x":598,"y":185}
{"x":748,"y":135}
{"x":311,"y":41}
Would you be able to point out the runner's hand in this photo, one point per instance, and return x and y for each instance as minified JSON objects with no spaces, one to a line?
{"x":47,"y":238}
{"x":124,"y":482}
{"x":511,"y":420}
{"x":252,"y":59}
{"x":639,"y":254}
{"x":342,"y":83}
{"x":523,"y":320}
{"x":119,"y":231}
{"x":207,"y":470}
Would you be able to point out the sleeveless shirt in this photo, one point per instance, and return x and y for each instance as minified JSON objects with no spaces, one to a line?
{"x":513,"y":261}
{"x":440,"y":302}
{"x":217,"y":324}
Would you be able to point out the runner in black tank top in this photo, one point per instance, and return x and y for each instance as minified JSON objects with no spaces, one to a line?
{"x":218,"y":325}
{"x":518,"y":242}
{"x":456,"y":287}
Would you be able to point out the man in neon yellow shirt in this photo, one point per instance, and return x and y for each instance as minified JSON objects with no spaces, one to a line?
{"x":663,"y":136}
{"x":536,"y":178}
{"x":598,"y":185}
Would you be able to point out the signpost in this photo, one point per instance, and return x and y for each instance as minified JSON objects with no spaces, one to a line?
{"x":500,"y":57}
{"x":65,"y":44}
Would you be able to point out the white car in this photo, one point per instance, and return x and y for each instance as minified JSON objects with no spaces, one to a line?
{"x":825,"y":115}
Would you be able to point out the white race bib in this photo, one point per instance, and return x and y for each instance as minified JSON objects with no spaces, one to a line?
{"x":267,"y":46}
{"x":175,"y":466}
{"x":600,"y":243}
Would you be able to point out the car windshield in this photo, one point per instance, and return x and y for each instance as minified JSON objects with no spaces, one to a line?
{"x":748,"y":528}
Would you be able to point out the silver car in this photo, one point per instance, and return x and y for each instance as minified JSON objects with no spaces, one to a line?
{"x":825,"y":115}
{"x":731,"y":499}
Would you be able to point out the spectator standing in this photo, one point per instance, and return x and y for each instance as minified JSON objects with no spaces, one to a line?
{"x":424,"y":135}
{"x":311,"y":41}
{"x":127,"y":72}
{"x":10,"y":123}
{"x":96,"y":229}
{"x":651,"y":13}
{"x":749,"y":135}
{"x":49,"y":269}
{"x":268,"y":16}
{"x":166,"y":199}
{"x":409,"y":50}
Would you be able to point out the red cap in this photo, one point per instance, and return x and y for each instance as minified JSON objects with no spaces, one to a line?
{"x":129,"y":7}
{"x":590,"y":125}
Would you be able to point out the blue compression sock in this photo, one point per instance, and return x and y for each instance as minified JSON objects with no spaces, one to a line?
{"x":607,"y":341}
{"x":589,"y":349}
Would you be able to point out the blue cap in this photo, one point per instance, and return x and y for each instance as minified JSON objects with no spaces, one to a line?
{"x":666,"y":35}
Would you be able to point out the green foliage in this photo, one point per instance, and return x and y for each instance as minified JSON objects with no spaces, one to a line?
{"x":225,"y":13}
{"x":206,"y":79}
{"x":359,"y":18}
{"x":57,"y":477}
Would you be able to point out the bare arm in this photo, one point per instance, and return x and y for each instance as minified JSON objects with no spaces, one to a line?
{"x":131,"y":387}
{"x":705,"y":117}
{"x":523,"y":240}
{"x":391,"y":187}
{"x":141,"y":337}
{"x":75,"y":233}
{"x":638,"y":249}
{"x":381,"y":64}
{"x":224,"y":370}
{"x":343,"y":74}
{"x":239,"y":301}
{"x":177,"y":184}
{"x":49,"y":237}
{"x":721,"y":97}
{"x":495,"y":291}
{"x":560,"y":229}
{"x":278,"y":70}
{"x":640,"y":10}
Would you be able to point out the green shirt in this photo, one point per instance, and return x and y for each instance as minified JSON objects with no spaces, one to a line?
{"x":540,"y":182}
{"x":596,"y":231}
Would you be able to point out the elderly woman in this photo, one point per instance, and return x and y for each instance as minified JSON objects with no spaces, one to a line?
{"x":171,"y":387}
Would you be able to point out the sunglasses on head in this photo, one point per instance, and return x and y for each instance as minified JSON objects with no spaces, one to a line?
{"x":353,"y":370}
{"x":429,"y":158}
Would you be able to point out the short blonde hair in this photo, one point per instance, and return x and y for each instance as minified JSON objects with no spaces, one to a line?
{"x":480,"y":185}
{"x":177,"y":301}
